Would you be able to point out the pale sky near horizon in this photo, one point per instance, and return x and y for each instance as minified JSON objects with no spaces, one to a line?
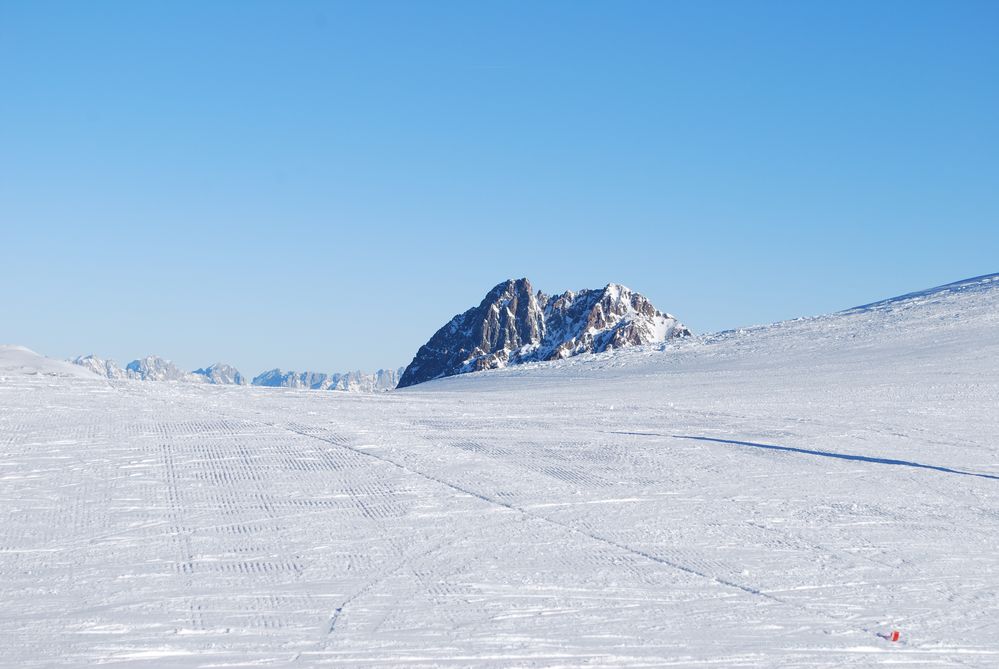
{"x":322,"y":185}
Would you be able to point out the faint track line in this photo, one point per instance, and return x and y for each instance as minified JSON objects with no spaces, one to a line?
{"x":341,"y":442}
{"x":728,"y":583}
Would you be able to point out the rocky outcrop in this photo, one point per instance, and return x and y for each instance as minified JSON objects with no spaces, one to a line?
{"x":513,"y":324}
{"x":510,"y":318}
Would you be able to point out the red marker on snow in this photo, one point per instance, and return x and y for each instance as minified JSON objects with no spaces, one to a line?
{"x":894,"y":635}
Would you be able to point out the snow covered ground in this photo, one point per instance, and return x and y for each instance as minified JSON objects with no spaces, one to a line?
{"x":21,"y":361}
{"x":771,"y":497}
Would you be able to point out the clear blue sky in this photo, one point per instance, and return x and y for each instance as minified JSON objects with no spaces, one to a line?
{"x":322,"y":185}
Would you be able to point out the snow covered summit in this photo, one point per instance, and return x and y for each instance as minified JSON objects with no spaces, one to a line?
{"x":513,"y":325}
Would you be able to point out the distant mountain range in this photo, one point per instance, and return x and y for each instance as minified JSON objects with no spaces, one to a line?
{"x":514,"y":325}
{"x":383,"y":379}
{"x":155,"y":368}
{"x":150,"y":368}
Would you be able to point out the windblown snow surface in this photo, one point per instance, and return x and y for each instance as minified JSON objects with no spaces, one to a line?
{"x":771,"y":497}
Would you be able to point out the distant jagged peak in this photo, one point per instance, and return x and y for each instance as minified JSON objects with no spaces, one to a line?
{"x":157,"y":368}
{"x":150,"y":367}
{"x":514,"y":324}
{"x":107,"y":368}
{"x":221,"y":374}
{"x":356,"y":381}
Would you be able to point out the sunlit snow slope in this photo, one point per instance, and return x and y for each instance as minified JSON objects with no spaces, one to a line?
{"x":18,"y":361}
{"x":777,"y":496}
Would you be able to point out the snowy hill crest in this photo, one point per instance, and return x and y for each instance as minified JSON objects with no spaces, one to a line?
{"x":513,"y":324}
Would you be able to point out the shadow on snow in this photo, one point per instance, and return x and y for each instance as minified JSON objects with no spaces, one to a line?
{"x":824,"y":454}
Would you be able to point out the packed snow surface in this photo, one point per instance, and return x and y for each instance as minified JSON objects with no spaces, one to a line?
{"x":780,"y":496}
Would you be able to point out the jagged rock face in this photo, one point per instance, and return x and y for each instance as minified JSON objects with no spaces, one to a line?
{"x":109,"y":369}
{"x":383,"y":379}
{"x":508,"y":319}
{"x":514,"y":325}
{"x":483,"y":337}
{"x":592,"y":321}
{"x":221,"y":374}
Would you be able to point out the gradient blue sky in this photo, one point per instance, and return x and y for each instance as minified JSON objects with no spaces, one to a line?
{"x":322,"y":185}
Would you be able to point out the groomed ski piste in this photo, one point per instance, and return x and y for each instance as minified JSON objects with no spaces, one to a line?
{"x":779,"y":496}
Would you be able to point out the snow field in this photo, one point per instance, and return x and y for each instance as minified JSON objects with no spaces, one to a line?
{"x":773,"y":497}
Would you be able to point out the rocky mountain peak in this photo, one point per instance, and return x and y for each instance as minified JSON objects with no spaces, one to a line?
{"x":513,"y":324}
{"x":513,"y":318}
